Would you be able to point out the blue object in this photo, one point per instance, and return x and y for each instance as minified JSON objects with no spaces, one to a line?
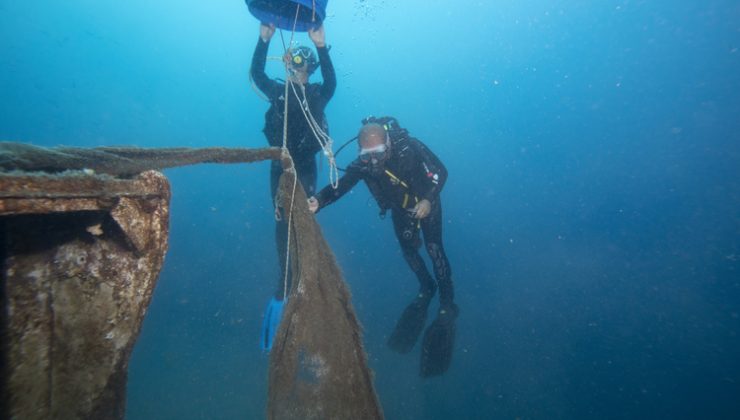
{"x":282,"y":13}
{"x":270,"y":323}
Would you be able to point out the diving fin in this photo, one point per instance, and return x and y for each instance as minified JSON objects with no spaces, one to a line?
{"x":270,"y":323}
{"x":409,"y":326}
{"x":439,"y":341}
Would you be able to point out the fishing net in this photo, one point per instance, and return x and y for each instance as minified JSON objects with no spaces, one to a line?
{"x":318,"y":367}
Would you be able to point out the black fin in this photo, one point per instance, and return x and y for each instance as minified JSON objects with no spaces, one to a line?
{"x":438,"y":344}
{"x":409,"y":326}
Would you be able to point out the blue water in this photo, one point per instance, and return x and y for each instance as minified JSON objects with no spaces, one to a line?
{"x":592,"y":214}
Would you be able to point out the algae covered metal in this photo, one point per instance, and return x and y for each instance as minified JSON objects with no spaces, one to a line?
{"x":81,"y":254}
{"x":83,"y":235}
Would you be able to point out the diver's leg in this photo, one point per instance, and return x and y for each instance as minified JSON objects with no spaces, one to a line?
{"x":432,"y":228}
{"x":281,"y":242}
{"x":307,"y":174}
{"x":306,"y":171}
{"x":276,"y":169}
{"x":407,"y":234}
{"x":413,"y":318}
{"x":438,"y":343}
{"x":281,"y":230}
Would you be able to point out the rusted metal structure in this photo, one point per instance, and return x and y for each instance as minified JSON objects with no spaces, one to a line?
{"x":83,"y":235}
{"x":81,"y":254}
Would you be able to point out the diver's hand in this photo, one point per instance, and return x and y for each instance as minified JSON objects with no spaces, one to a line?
{"x":317,"y":36}
{"x":313,"y":205}
{"x":421,"y":209}
{"x":266,"y":31}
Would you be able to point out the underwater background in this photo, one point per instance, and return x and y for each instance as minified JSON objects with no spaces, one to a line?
{"x":592,"y":211}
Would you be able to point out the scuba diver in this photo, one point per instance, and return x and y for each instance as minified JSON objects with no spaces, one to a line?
{"x":403,"y":175}
{"x":301,"y":141}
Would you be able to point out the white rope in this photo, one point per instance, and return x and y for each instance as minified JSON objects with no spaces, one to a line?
{"x":285,"y":150}
{"x":287,"y":248}
{"x":325,"y":141}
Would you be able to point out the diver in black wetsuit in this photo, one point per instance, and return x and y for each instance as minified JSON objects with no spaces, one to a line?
{"x":301,"y":141}
{"x":405,"y":177}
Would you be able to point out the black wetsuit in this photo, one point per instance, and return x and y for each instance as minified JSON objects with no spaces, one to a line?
{"x":411,"y":173}
{"x":301,"y":142}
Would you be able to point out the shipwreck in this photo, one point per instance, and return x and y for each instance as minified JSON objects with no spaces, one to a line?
{"x":84,"y":234}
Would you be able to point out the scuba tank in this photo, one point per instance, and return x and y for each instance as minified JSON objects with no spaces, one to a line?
{"x":390,"y":124}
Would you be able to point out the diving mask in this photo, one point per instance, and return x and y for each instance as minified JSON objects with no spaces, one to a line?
{"x":375,"y":154}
